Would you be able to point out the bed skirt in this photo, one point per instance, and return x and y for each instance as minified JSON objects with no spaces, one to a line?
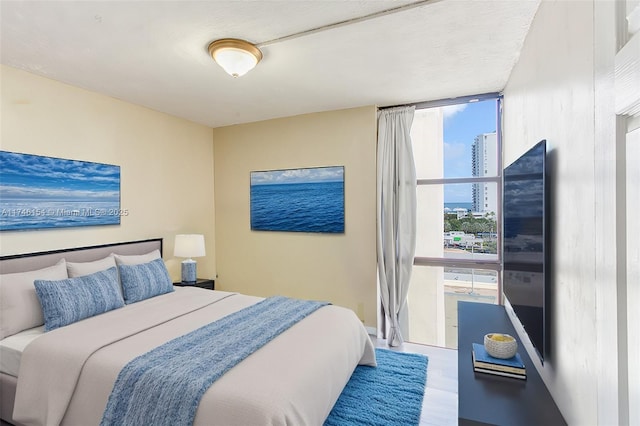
{"x":7,"y":397}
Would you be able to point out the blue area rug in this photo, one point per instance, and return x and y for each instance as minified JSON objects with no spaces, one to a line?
{"x":387,"y":395}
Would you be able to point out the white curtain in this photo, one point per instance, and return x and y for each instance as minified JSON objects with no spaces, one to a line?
{"x":396,"y":208}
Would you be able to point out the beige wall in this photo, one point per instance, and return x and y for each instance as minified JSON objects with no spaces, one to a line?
{"x":339,"y":268}
{"x":166,"y":163}
{"x":561,"y":91}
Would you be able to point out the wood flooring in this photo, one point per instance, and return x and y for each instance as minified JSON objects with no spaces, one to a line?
{"x":440,"y":404}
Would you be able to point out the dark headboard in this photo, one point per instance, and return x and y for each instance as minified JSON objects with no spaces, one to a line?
{"x":32,"y":261}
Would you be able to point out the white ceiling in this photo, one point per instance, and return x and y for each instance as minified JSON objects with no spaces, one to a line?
{"x":154,"y":53}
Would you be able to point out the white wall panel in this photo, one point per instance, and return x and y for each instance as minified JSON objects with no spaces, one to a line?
{"x":627,"y":78}
{"x":550,"y":95}
{"x":563,"y":90}
{"x":633,"y":273}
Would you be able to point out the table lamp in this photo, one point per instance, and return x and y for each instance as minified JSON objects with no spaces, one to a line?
{"x":189,"y":245}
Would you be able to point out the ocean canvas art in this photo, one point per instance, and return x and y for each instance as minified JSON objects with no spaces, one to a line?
{"x":39,"y":192}
{"x":298,"y":200}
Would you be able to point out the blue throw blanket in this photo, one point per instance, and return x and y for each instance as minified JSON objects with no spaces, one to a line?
{"x":165,"y":385}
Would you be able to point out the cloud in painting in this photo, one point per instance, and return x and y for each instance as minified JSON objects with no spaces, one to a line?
{"x":311,"y":175}
{"x":35,"y":177}
{"x":29,"y":193}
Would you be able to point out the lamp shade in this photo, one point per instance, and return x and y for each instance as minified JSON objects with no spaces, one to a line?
{"x":189,"y":245}
{"x":236,"y":57}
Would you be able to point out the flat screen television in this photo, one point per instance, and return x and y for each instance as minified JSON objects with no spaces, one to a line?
{"x":525,"y":235}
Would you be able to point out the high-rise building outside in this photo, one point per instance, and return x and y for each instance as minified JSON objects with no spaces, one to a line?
{"x":484,"y":162}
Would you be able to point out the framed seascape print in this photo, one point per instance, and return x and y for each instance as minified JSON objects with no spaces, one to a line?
{"x":298,"y":200}
{"x":39,"y":192}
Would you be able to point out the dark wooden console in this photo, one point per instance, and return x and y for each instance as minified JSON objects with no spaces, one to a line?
{"x":492,"y":400}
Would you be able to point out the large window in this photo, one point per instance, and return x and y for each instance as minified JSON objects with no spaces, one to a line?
{"x":457,"y":152}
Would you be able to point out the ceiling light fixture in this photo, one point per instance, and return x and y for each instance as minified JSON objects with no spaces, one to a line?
{"x":236,"y":57}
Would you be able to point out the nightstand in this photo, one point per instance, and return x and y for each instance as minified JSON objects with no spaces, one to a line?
{"x":200,"y":283}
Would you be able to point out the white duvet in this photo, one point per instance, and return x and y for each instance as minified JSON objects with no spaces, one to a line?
{"x":66,"y":375}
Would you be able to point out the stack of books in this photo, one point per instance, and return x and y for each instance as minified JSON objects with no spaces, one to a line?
{"x":485,"y":363}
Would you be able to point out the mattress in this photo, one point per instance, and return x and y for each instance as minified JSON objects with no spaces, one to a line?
{"x":11,"y":349}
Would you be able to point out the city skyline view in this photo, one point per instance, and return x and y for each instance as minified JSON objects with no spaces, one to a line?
{"x":462,"y":123}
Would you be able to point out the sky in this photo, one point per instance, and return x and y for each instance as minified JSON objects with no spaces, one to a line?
{"x":462,"y":123}
{"x":25,"y":176}
{"x":311,"y":175}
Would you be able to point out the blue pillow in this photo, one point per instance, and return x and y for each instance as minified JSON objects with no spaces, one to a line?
{"x":144,"y":280}
{"x":73,"y":299}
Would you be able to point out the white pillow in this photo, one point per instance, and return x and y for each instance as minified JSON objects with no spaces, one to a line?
{"x":136,"y":259}
{"x":19,"y":305}
{"x":80,"y":269}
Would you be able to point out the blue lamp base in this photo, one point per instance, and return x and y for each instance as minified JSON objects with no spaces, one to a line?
{"x":189,"y":271}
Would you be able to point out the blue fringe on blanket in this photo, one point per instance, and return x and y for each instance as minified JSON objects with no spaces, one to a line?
{"x":165,"y":385}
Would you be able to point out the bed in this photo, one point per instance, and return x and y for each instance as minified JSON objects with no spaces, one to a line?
{"x":70,"y":374}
